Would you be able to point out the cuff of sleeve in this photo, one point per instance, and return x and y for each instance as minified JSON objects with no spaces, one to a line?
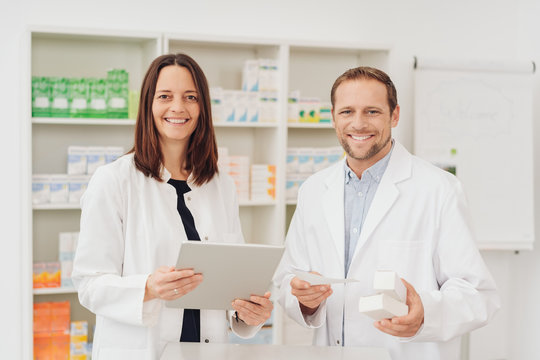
{"x":431,"y":317}
{"x":316,"y":319}
{"x":241,"y":329}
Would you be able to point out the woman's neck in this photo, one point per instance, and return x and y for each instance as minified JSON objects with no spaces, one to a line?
{"x":174,"y":160}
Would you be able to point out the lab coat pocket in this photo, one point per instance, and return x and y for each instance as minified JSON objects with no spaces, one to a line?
{"x":407,"y":258}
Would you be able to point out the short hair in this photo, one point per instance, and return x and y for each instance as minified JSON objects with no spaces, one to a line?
{"x":202,"y":154}
{"x":366,"y":72}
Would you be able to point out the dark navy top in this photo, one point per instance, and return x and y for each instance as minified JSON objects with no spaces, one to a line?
{"x":191,"y":325}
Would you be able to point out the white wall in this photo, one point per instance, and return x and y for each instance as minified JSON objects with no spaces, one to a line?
{"x":502,"y":29}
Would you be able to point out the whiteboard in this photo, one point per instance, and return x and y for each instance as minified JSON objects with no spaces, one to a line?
{"x":484,"y":112}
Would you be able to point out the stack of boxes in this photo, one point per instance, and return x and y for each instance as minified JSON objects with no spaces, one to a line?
{"x":51,"y":330}
{"x":307,"y":109}
{"x":58,"y":273}
{"x":256,"y":182}
{"x":78,"y":346}
{"x":303,"y":162}
{"x":390,"y":300}
{"x":258,"y":99}
{"x":68,"y":188}
{"x":263,"y":182}
{"x":66,"y":254}
{"x":81,"y":97}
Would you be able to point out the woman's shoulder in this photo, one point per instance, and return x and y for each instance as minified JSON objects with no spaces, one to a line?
{"x":121,"y":168}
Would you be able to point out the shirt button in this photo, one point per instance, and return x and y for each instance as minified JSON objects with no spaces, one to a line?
{"x":360,"y":194}
{"x":206,"y":341}
{"x":355,"y":230}
{"x":337,"y":342}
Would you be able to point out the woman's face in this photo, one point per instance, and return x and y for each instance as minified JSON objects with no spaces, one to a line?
{"x":175,"y":105}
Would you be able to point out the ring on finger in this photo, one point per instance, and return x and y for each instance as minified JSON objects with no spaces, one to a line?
{"x":175,"y":292}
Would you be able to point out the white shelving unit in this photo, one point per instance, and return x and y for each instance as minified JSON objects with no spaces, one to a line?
{"x":308,"y":67}
{"x":71,"y":53}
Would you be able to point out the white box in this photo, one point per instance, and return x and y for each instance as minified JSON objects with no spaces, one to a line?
{"x":59,"y":189}
{"x":76,"y":160}
{"x":112,"y":153}
{"x":381,"y":306}
{"x":77,"y":187}
{"x":95,"y":157}
{"x":389,"y":283}
{"x":41,"y":189}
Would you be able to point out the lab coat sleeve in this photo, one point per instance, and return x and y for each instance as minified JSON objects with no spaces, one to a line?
{"x":241,"y":329}
{"x":296,"y":257}
{"x":97,"y":269}
{"x":467,"y":298}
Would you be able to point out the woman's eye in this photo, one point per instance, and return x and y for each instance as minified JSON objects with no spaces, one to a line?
{"x":191,"y":98}
{"x":163,"y":96}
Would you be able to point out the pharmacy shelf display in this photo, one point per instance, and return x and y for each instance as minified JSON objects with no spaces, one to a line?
{"x":66,"y":57}
{"x":281,"y":70}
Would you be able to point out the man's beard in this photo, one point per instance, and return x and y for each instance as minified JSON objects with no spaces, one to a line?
{"x":373,"y":150}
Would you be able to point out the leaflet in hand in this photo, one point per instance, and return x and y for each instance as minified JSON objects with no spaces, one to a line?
{"x":315,"y":279}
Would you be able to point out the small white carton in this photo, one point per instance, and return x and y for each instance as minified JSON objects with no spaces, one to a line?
{"x":381,"y":306}
{"x":389,"y":283}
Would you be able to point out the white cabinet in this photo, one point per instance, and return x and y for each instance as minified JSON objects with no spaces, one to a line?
{"x":308,"y":67}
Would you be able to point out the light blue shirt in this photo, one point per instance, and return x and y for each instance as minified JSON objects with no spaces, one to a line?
{"x":359,"y":194}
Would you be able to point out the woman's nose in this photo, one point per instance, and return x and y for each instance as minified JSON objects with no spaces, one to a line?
{"x":177,"y":105}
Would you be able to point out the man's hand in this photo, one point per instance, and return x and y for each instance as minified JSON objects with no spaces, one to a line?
{"x":309,"y":297}
{"x":255,"y":311}
{"x":168,"y":283}
{"x":408,"y":325}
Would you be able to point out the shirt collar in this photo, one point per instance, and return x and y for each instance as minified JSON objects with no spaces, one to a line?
{"x":375,"y":171}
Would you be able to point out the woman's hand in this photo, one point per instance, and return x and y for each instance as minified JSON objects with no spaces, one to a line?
{"x":168,"y":283}
{"x":254,"y":311}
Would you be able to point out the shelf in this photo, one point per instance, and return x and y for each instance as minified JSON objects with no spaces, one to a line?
{"x":81,"y":121}
{"x":309,"y":125}
{"x":246,"y":124}
{"x":57,"y":290}
{"x":56,"y":206}
{"x":78,"y":207}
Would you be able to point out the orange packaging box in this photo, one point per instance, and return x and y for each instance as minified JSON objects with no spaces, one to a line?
{"x":46,"y":274}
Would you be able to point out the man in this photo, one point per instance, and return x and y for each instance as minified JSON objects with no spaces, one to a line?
{"x":383,"y":208}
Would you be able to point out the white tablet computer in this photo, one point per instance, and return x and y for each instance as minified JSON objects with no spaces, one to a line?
{"x":231,"y":271}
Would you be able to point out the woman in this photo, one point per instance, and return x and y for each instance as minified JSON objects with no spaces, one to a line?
{"x":138,"y":209}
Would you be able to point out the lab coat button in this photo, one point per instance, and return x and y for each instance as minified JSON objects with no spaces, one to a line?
{"x":206,"y":238}
{"x":206,"y":341}
{"x":189,"y":198}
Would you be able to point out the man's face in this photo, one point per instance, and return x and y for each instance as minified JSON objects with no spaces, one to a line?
{"x":363,"y":122}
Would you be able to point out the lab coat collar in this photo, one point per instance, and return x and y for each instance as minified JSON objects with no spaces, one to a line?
{"x":399,"y":169}
{"x":166,"y":176}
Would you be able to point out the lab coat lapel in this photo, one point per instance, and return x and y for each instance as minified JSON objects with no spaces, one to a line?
{"x":333,"y":209}
{"x":399,"y":169}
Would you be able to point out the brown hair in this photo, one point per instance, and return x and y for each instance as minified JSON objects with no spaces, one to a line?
{"x":202,"y":155}
{"x":365,"y":72}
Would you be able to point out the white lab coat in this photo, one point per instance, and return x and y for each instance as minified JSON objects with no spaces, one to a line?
{"x":418,"y":226}
{"x":130,"y":226}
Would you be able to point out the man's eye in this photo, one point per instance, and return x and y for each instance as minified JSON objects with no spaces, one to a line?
{"x":373,"y":112}
{"x":345,"y":112}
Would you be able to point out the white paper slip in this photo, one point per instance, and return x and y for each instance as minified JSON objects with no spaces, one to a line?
{"x":315,"y":279}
